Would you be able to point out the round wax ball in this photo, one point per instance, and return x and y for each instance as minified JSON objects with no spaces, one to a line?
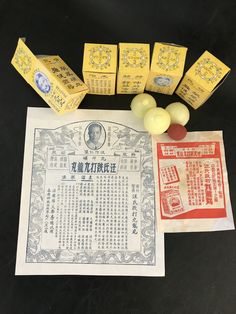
{"x":177,"y":132}
{"x":156,"y":120}
{"x":142,"y":103}
{"x":179,"y":113}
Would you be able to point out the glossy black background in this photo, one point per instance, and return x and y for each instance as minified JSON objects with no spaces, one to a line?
{"x":200,"y":267}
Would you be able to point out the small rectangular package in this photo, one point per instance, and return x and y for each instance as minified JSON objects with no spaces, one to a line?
{"x":167,"y":67}
{"x":134,"y":63}
{"x":51,"y":78}
{"x":99,"y":68}
{"x":202,"y":80}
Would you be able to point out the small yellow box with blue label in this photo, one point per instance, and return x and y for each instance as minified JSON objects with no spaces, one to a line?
{"x":51,"y":78}
{"x":167,"y":67}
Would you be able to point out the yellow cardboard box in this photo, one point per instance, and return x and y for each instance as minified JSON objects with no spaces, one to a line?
{"x":99,"y":68}
{"x":134,"y":63}
{"x":167,"y":68}
{"x":202,"y":80}
{"x":51,"y":78}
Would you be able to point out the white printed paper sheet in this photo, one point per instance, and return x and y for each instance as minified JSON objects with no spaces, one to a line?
{"x":88,"y":199}
{"x":192,"y":192}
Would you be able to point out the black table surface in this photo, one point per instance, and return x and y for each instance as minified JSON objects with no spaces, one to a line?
{"x":200,"y":267}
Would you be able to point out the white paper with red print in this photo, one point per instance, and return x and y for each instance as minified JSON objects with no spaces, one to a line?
{"x":192,"y":192}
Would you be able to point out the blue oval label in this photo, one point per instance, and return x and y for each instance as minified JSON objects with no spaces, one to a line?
{"x":163,"y":80}
{"x":42,"y":82}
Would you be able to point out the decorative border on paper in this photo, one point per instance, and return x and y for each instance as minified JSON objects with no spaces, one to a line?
{"x":127,"y":138}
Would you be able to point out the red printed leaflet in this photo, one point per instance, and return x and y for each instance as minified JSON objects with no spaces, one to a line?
{"x":190,"y":180}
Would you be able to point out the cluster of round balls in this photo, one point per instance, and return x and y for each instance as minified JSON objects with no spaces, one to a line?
{"x":158,"y":120}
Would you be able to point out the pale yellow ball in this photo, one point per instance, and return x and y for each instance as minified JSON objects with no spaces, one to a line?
{"x":179,"y":113}
{"x":141,"y":103}
{"x":157,"y":120}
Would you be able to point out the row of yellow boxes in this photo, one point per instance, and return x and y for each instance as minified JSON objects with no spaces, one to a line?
{"x":134,"y":72}
{"x":61,"y":88}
